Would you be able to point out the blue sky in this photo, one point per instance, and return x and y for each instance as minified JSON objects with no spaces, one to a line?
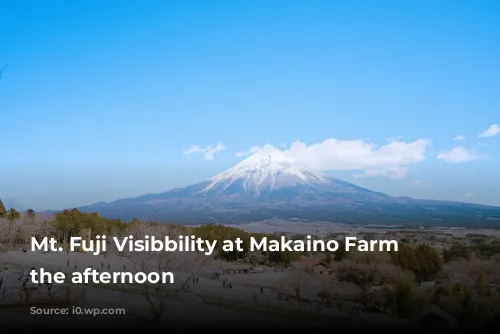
{"x":100,"y":99}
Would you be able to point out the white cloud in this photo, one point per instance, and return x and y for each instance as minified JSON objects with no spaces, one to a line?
{"x":208,"y":151}
{"x":469,"y":195}
{"x":456,"y":155}
{"x":391,"y":160}
{"x":254,"y":149}
{"x":460,"y":137}
{"x":492,"y":131}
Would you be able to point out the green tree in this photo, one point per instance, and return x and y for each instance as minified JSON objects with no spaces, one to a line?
{"x":70,"y":223}
{"x":30,"y":213}
{"x":456,"y":252}
{"x":487,"y":249}
{"x":423,"y":260}
{"x":3,"y":211}
{"x":429,"y":263}
{"x":405,"y":257}
{"x":404,"y":294}
{"x":12,"y":216}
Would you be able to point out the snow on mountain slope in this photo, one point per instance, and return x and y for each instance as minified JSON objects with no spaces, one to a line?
{"x":265,"y":172}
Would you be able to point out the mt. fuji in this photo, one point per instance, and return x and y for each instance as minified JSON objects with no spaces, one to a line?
{"x":271,"y":185}
{"x":271,"y":176}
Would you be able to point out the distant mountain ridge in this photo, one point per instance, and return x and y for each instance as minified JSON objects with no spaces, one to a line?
{"x":268,"y":185}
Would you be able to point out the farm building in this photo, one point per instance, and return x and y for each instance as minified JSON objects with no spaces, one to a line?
{"x":433,"y":318}
{"x":312,"y":266}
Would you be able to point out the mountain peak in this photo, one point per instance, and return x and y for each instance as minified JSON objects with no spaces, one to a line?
{"x":265,"y":171}
{"x":271,"y":184}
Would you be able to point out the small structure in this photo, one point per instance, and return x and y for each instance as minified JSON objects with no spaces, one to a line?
{"x":312,"y":266}
{"x":433,"y":318}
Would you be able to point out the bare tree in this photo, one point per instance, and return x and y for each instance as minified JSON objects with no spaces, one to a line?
{"x":295,"y":283}
{"x":43,"y":229}
{"x":185,"y":266}
{"x":365,"y":269}
{"x":13,"y":216}
{"x":4,"y":230}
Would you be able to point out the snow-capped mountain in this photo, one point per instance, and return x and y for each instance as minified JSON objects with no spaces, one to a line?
{"x":271,"y":176}
{"x":263,"y":173}
{"x":269,"y":184}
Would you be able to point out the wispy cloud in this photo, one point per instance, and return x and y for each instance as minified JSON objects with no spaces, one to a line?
{"x":419,"y":183}
{"x":492,"y":131}
{"x":459,"y":137}
{"x":208,"y":151}
{"x":391,"y":160}
{"x":457,"y":155}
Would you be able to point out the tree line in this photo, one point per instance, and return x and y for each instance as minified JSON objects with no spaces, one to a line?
{"x":423,"y":260}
